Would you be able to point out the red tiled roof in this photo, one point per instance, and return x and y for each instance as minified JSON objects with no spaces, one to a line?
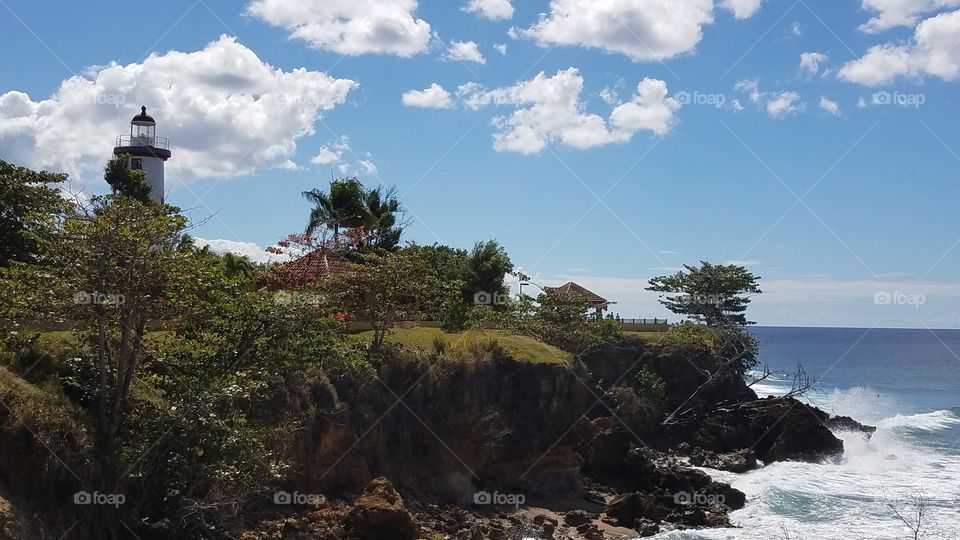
{"x":579,"y":291}
{"x":311,"y":267}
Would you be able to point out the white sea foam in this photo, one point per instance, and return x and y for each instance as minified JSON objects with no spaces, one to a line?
{"x":851,"y":498}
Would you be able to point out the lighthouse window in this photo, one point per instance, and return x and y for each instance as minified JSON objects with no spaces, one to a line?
{"x":136,"y":164}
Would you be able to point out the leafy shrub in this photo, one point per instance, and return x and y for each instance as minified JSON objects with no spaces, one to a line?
{"x":651,"y":387}
{"x":454,"y":314}
{"x":732,"y":345}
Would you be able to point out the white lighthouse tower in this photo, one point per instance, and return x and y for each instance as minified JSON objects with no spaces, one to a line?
{"x":147,"y":151}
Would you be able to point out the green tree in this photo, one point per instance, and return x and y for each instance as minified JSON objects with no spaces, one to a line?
{"x":385,"y":290}
{"x":191,"y":422}
{"x":347,"y":206}
{"x":563,"y":320}
{"x":447,"y":266}
{"x":343,"y":206}
{"x":487,"y":267}
{"x":237,"y":265}
{"x":383,"y":210}
{"x":29,"y":206}
{"x":126,"y":181}
{"x":717,"y":295}
{"x":221,"y":401}
{"x":111,"y":267}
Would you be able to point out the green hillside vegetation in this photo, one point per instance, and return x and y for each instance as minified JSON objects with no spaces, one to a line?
{"x":518,"y":347}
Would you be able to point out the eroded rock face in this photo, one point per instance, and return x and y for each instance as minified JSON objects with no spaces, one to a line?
{"x":10,"y":527}
{"x":493,"y":419}
{"x":379,"y":513}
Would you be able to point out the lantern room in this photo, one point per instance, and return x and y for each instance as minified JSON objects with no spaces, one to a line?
{"x":143,"y":128}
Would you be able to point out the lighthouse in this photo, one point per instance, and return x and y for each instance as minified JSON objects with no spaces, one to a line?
{"x":147,"y":151}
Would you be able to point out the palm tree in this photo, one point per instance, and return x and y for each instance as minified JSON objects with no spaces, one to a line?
{"x":343,"y":206}
{"x":237,"y":265}
{"x":382,"y":211}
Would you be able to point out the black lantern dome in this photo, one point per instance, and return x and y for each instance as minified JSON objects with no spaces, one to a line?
{"x":143,"y":118}
{"x":143,"y":140}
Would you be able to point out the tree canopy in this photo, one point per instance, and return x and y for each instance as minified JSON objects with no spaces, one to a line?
{"x":717,"y":295}
{"x":126,"y":181}
{"x":29,"y":203}
{"x":488,"y":266}
{"x":348,"y":204}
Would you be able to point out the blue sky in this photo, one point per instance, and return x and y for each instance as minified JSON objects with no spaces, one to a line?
{"x":602,"y":142}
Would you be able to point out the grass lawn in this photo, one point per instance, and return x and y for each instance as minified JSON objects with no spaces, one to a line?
{"x":522,"y":348}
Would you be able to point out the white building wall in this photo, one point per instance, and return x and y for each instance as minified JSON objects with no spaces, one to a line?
{"x":153,"y":166}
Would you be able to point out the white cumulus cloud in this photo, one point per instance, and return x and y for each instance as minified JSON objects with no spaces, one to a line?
{"x":783,"y":104}
{"x":350,"y":27}
{"x":340,"y":155}
{"x":893,"y":13}
{"x":830,"y":106}
{"x":331,"y":153}
{"x":934,"y":50}
{"x":434,"y":97}
{"x":640,"y":29}
{"x":465,"y":51}
{"x":742,"y":9}
{"x":491,"y":9}
{"x":650,"y":109}
{"x":810,"y":62}
{"x":248,"y":249}
{"x":752,"y":88}
{"x":549,"y":109}
{"x":776,"y":104}
{"x":225,"y":111}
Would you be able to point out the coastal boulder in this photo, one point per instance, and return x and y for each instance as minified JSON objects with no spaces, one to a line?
{"x":577,"y":518}
{"x":740,"y":461}
{"x":627,"y":509}
{"x":845,"y":423}
{"x":379,"y":513}
{"x":801,"y":435}
{"x":778,"y":429}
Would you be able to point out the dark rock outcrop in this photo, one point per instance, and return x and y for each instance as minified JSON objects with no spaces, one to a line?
{"x":740,"y":461}
{"x":629,"y":508}
{"x":845,"y":423}
{"x":577,"y":518}
{"x":777,"y":429}
{"x":379,"y":513}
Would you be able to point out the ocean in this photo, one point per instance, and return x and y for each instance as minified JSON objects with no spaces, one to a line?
{"x":904,"y":381}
